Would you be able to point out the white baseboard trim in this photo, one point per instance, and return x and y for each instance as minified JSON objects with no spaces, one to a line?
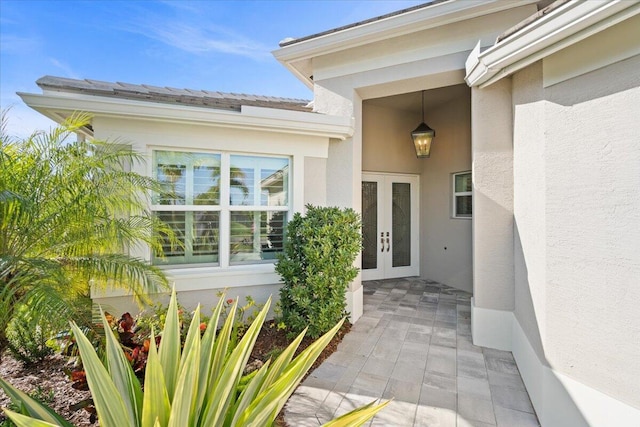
{"x":491,"y":328}
{"x":354,"y":304}
{"x":559,"y":401}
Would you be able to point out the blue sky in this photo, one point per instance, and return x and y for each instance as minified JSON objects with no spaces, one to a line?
{"x":213,"y":45}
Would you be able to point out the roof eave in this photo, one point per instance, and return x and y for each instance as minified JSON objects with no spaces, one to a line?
{"x":570,"y":23}
{"x":58,"y":106}
{"x":435,"y":15}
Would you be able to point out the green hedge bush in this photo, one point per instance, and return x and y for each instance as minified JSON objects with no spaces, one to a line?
{"x":316,"y":268}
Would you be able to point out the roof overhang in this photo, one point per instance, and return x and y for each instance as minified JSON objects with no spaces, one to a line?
{"x":297,"y":56}
{"x":59,"y":105}
{"x":563,"y":26}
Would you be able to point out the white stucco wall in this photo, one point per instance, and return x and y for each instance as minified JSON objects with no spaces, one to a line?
{"x":574,"y":327}
{"x":201,"y":283}
{"x":386,"y":140}
{"x":492,"y":159}
{"x":446,"y":247}
{"x":592,"y":173}
{"x":315,"y":177}
{"x":529,"y":204}
{"x":576,"y":215}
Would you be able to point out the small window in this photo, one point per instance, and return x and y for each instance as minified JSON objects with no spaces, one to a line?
{"x":462,"y":196}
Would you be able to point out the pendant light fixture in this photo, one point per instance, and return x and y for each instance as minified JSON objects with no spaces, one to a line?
{"x":423,"y":136}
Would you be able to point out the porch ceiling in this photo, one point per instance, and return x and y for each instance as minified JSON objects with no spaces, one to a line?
{"x":411,"y":102}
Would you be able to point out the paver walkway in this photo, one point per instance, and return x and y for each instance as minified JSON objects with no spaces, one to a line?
{"x":413,"y":344}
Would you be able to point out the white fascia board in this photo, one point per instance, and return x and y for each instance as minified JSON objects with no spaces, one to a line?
{"x":253,"y":118}
{"x":562,"y":27}
{"x":298,"y":74}
{"x":437,"y":15}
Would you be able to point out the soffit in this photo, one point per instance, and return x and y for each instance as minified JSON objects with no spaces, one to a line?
{"x":297,"y":55}
{"x":412,"y":102}
{"x":433,"y":44}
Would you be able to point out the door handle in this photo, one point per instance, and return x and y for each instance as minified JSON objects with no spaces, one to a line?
{"x":382,"y":241}
{"x":388,"y":244}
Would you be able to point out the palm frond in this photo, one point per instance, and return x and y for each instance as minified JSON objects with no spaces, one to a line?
{"x":70,"y":212}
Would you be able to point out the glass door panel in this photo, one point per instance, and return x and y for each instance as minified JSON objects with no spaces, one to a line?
{"x":369,"y":225}
{"x":401,"y":224}
{"x":389,"y":226}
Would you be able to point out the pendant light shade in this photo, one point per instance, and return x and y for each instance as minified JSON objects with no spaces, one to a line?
{"x":423,"y":136}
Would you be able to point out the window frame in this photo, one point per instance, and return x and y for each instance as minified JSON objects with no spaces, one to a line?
{"x":455,"y":194}
{"x":224,"y":208}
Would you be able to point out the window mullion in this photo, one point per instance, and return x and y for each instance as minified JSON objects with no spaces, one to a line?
{"x":257,"y":232}
{"x":257,"y":190}
{"x":257,"y":201}
{"x":189,"y":175}
{"x":225,"y":218}
{"x":188,"y":231}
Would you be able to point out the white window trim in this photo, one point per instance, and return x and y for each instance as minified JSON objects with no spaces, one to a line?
{"x":223,"y":268}
{"x":455,"y":194}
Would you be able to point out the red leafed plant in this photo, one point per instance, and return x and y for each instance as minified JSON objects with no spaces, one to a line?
{"x":134,"y":333}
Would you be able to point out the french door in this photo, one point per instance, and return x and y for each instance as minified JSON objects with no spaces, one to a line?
{"x":390,"y":231}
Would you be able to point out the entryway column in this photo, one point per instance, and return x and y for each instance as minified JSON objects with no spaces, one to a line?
{"x":493,"y":260}
{"x":344,"y":166}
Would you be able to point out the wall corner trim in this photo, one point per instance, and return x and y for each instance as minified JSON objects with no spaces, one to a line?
{"x":557,"y":399}
{"x":354,"y":304}
{"x":491,"y":328}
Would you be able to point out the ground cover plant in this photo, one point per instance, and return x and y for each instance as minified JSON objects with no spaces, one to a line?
{"x":195,"y":385}
{"x":29,"y":338}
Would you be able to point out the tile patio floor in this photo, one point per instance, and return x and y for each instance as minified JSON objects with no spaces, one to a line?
{"x":413,"y":344}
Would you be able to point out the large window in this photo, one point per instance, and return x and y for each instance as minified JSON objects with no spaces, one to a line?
{"x":462,"y":196}
{"x":225,"y":209}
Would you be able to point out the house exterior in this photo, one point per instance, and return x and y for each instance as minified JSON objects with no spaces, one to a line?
{"x":529,"y":200}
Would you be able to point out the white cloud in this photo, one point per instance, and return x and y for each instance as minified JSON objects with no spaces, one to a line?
{"x":12,"y":44}
{"x":180,"y":5}
{"x":65,"y":68}
{"x":197,"y":38}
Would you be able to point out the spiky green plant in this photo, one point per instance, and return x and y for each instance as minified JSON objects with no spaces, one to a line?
{"x":69,"y":211}
{"x":193,"y":386}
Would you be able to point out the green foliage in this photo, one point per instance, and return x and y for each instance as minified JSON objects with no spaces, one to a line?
{"x":69,"y":210}
{"x":192,"y":386}
{"x":40,"y":394}
{"x":316,"y":268}
{"x":30,"y":339}
{"x":154,"y":318}
{"x":244,"y":315}
{"x":274,"y":353}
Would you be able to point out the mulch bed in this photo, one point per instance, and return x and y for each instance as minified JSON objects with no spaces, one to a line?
{"x":51,"y":374}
